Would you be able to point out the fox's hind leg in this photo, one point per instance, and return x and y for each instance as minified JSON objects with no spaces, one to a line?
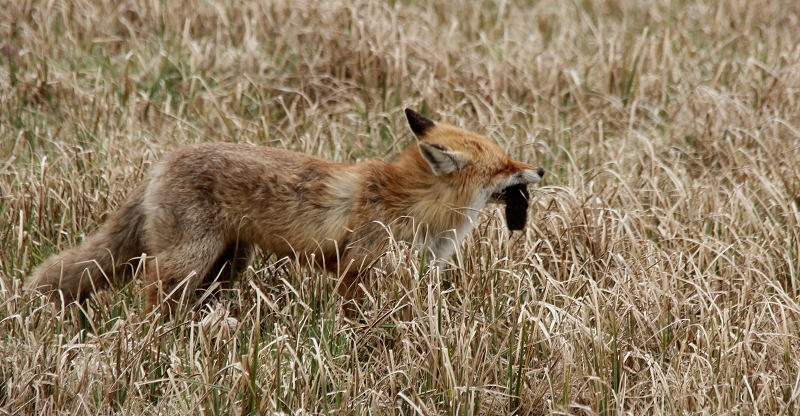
{"x":173,"y":274}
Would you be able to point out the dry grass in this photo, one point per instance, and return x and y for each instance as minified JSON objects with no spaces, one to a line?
{"x":659,"y":273}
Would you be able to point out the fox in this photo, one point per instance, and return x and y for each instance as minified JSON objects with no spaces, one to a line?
{"x":206,"y":208}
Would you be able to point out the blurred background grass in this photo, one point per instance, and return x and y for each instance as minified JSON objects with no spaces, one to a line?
{"x":658,"y":274}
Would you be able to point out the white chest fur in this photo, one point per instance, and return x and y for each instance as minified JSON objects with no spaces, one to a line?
{"x":445,"y":244}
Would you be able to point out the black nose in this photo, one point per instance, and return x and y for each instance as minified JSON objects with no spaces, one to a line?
{"x":540,"y":171}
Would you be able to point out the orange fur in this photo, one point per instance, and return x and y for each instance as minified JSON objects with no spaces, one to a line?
{"x":208,"y":205}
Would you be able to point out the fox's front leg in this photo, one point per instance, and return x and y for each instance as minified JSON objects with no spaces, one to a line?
{"x":351,"y":292}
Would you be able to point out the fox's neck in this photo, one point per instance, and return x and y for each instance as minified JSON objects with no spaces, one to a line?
{"x":408,"y":187}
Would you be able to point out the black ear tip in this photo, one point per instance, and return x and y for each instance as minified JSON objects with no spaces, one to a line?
{"x":419,"y":123}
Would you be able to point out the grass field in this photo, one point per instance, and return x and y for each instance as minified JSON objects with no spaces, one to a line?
{"x":658,"y":273}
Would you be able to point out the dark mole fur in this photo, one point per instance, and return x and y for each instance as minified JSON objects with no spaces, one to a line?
{"x":517,"y":197}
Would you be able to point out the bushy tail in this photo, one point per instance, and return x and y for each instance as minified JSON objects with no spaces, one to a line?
{"x":101,"y":259}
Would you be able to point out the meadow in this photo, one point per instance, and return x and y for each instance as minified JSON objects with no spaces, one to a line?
{"x":658,"y":273}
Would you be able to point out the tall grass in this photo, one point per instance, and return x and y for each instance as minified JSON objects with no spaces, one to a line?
{"x":658,"y":273}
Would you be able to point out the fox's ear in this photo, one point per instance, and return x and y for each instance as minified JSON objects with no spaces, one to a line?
{"x":441,"y":159}
{"x":419,"y":123}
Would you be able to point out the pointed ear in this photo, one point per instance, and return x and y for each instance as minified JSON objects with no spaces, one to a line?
{"x":419,"y":123}
{"x":441,"y":159}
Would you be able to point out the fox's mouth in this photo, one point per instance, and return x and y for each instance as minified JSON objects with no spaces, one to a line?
{"x":500,"y":196}
{"x":516,"y":197}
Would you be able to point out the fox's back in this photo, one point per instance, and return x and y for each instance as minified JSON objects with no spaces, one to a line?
{"x":286,"y":200}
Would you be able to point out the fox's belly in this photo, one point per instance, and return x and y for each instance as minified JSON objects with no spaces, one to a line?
{"x":318,"y":253}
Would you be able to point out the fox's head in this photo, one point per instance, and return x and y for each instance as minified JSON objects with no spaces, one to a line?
{"x":475,"y":165}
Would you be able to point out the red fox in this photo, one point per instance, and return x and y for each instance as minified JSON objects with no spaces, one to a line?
{"x":208,"y":206}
